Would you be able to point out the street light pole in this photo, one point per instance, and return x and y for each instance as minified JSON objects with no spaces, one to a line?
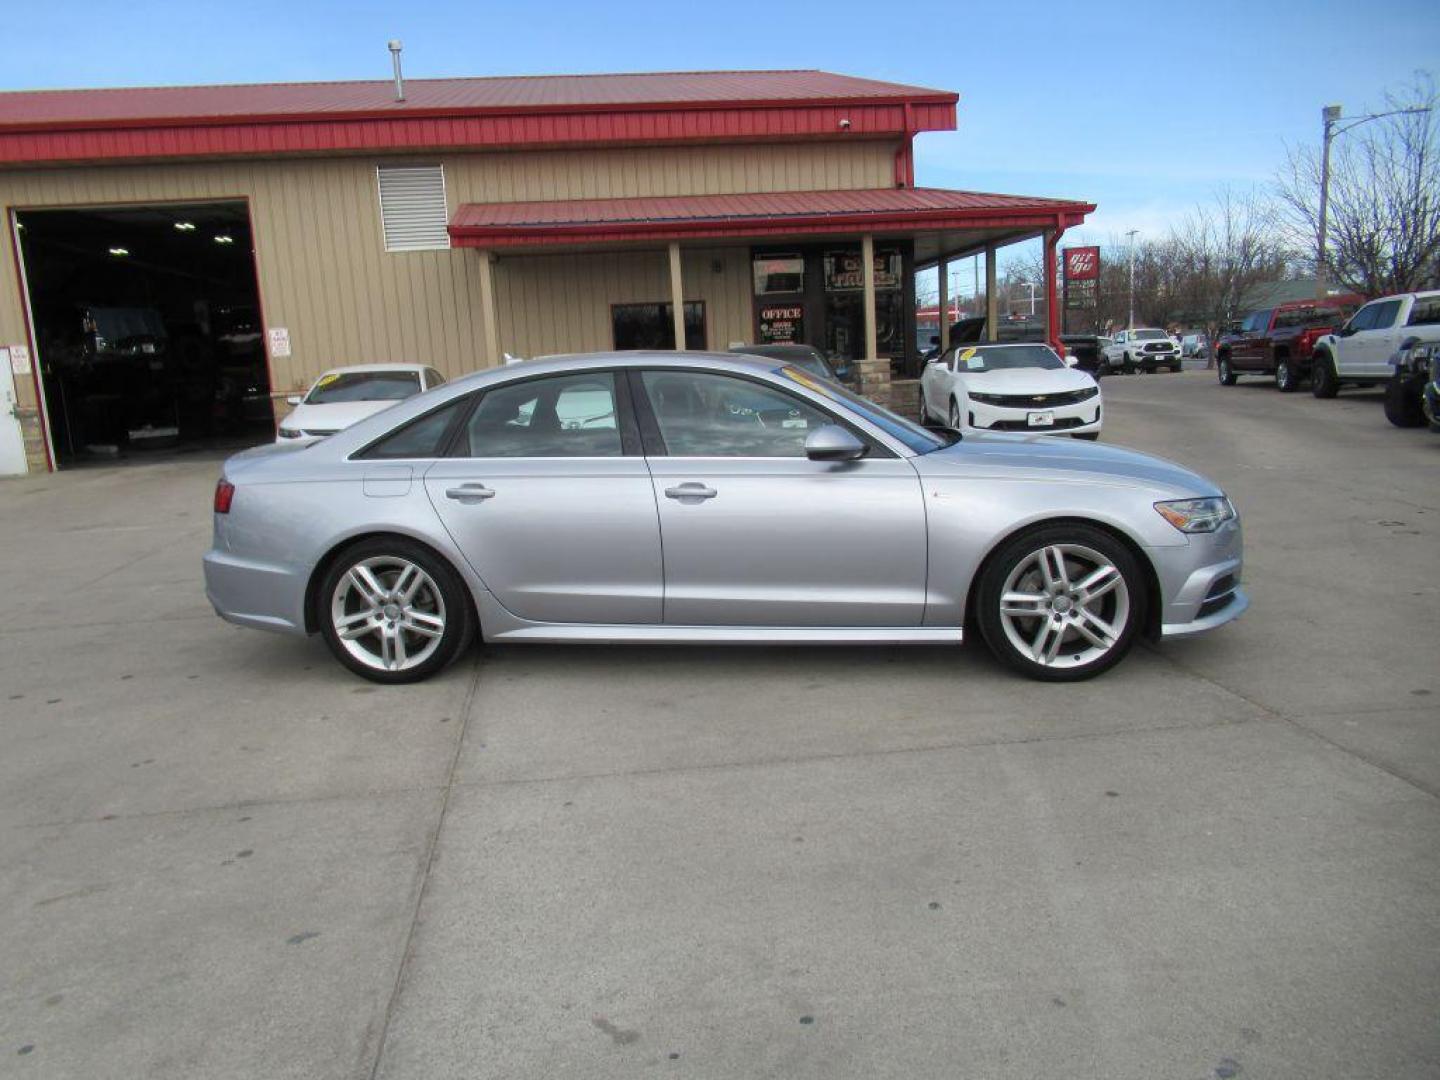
{"x":1130,"y":325}
{"x":1329,"y":128}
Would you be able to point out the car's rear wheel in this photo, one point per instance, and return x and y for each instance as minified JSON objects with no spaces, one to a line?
{"x":1224,"y":373}
{"x":954,"y":415}
{"x":393,"y":611}
{"x":1061,"y":602}
{"x":1287,"y":379}
{"x":1405,"y":402}
{"x":1324,"y":383}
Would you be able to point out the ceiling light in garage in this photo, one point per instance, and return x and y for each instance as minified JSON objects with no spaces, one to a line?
{"x":119,"y":251}
{"x":224,"y":239}
{"x":185,"y":226}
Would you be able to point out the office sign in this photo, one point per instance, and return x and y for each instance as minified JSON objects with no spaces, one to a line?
{"x":782,"y":324}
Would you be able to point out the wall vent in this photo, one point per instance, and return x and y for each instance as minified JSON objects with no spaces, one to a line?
{"x":412,"y":207}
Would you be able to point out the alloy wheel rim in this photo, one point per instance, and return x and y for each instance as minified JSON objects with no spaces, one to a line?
{"x":1065,"y":606}
{"x":954,"y":416}
{"x":388,"y":613}
{"x":1283,"y":375}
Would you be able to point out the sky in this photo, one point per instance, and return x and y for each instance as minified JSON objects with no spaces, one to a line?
{"x":1142,"y":108}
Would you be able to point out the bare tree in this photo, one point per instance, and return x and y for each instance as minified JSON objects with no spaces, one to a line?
{"x":1384,"y":216}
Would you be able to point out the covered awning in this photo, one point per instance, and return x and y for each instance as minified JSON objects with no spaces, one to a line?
{"x":972,"y":218}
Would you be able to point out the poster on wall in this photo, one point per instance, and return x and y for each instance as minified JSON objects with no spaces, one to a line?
{"x":279,"y":342}
{"x":782,"y":325}
{"x":19,"y":359}
{"x":845,"y":271}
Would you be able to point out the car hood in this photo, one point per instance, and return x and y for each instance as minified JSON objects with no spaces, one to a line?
{"x":1050,"y":457}
{"x":1024,"y":381}
{"x":335,"y":416}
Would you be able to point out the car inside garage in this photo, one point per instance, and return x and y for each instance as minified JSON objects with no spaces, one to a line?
{"x":148,"y":329}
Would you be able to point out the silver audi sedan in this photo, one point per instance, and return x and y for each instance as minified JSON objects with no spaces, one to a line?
{"x":704,"y":498}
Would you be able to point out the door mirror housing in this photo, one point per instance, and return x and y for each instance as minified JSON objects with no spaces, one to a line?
{"x":293,"y":399}
{"x":833,"y":443}
{"x":1346,"y":330}
{"x":1071,"y":360}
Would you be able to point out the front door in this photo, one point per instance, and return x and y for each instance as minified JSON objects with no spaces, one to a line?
{"x":1373,"y":346}
{"x":755,"y":533}
{"x":12,"y":439}
{"x":549,"y":499}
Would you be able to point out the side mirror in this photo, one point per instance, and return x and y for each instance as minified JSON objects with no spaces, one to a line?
{"x":293,"y":399}
{"x":1071,"y":360}
{"x":1346,"y":330}
{"x":833,"y":443}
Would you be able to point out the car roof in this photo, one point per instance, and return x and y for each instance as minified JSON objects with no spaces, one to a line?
{"x":999,"y":344}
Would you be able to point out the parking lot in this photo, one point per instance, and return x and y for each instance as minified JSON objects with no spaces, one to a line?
{"x":223,"y":856}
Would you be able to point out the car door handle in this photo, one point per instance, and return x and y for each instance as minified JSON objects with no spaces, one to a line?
{"x":690,"y":491}
{"x":469,"y":493}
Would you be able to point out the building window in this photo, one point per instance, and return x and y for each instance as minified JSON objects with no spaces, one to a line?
{"x":652,"y":326}
{"x":412,"y":207}
{"x":779,"y":274}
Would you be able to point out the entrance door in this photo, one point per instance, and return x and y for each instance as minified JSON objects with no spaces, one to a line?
{"x":756,"y":534}
{"x":12,"y":440}
{"x":554,"y":515}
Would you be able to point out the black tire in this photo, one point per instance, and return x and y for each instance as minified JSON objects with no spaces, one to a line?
{"x":1222,"y":372}
{"x":1287,"y":379}
{"x":1088,"y":436}
{"x":455,"y":606}
{"x":1324,"y":383}
{"x":1012,"y":557}
{"x":954,"y":419}
{"x":1404,"y":402}
{"x":1175,"y":368}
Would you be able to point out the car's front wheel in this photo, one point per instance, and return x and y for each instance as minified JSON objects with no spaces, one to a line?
{"x":1061,"y":602}
{"x":393,"y":611}
{"x":1324,"y":383}
{"x":954,"y":417}
{"x":1405,"y":401}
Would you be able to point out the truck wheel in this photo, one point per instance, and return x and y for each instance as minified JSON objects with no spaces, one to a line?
{"x":1324,"y":383}
{"x":1403,"y":402}
{"x":1223,"y":372}
{"x":1287,"y":380}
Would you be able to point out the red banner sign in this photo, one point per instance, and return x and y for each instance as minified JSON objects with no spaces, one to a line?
{"x":1082,"y":264}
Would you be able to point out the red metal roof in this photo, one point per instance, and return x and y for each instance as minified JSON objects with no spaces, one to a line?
{"x":61,"y":125}
{"x":763,"y":214}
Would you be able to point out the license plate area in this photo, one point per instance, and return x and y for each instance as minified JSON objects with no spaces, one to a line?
{"x":1041,"y":419}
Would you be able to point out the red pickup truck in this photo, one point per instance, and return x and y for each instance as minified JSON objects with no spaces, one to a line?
{"x":1280,"y":341}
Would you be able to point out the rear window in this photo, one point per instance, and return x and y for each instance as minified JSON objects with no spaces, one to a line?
{"x":364,"y":386}
{"x":1310,"y":316}
{"x":1425,"y":311}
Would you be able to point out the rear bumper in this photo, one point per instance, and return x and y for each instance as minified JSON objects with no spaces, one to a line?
{"x":255,"y":594}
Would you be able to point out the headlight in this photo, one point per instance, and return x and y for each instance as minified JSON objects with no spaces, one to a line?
{"x":290,"y":433}
{"x":988,"y":399}
{"x":1196,"y":515}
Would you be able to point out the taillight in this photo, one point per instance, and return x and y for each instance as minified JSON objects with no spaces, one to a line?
{"x":224,"y":496}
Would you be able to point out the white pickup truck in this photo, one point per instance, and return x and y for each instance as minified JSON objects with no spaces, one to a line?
{"x":1142,"y":350}
{"x":1359,"y":353}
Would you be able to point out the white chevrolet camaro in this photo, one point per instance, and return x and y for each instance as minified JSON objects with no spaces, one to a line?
{"x":1022,"y":386}
{"x":344,"y":396}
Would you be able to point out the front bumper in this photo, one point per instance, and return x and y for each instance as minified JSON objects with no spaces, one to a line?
{"x":1078,"y":418}
{"x":1200,"y":582}
{"x":1150,"y":361}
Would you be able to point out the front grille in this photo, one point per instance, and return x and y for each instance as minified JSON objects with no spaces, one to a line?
{"x":1037,"y":401}
{"x":1159,"y":346}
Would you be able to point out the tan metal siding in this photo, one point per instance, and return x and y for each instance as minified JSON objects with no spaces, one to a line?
{"x":325,"y":275}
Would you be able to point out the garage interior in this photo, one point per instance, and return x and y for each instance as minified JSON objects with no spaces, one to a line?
{"x":147,"y":327}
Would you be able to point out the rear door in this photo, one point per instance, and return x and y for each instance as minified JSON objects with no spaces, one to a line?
{"x":547,"y":494}
{"x":757,"y":534}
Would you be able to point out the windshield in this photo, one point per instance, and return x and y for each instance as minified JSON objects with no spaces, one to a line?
{"x":1148,"y":335}
{"x":919,"y":439}
{"x":980,"y":358}
{"x":364,"y":386}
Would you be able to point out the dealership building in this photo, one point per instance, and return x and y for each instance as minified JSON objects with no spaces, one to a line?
{"x":177,"y":258}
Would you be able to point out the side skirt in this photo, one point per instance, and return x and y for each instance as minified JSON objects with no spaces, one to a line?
{"x":560,"y":633}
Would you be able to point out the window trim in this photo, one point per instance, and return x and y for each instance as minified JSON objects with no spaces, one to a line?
{"x":654,"y":441}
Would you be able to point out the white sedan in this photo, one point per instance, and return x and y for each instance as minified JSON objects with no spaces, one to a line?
{"x":1024,"y":386}
{"x":347,"y":395}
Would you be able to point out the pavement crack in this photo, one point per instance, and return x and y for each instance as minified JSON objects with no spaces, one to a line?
{"x":433,"y":844}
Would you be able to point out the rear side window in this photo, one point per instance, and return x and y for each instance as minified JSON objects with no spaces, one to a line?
{"x":1425,"y":312}
{"x":423,"y":437}
{"x":562,"y":416}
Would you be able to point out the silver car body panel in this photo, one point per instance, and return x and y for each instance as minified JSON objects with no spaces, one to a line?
{"x":884,"y":549}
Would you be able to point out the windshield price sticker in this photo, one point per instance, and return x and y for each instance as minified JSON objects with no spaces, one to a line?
{"x":973,"y":362}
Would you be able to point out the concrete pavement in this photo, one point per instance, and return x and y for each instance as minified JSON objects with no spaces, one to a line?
{"x":224,"y":857}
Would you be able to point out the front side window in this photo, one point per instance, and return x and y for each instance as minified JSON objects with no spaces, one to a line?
{"x":919,"y":439}
{"x":701,"y":414}
{"x":1385,"y":313}
{"x":560,"y":416}
{"x":364,"y":386}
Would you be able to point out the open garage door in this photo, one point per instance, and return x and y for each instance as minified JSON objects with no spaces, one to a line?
{"x":147,"y":327}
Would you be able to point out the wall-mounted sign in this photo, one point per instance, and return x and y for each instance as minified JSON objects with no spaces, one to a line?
{"x":779,"y":274}
{"x":845,"y":271}
{"x":782,"y":325}
{"x":19,"y":359}
{"x":279,"y":342}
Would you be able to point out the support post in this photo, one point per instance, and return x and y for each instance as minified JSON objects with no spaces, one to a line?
{"x":1052,"y":308}
{"x":943,"y":272}
{"x":489,"y":309}
{"x":677,"y":296}
{"x":874,"y":372}
{"x":992,"y":299}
